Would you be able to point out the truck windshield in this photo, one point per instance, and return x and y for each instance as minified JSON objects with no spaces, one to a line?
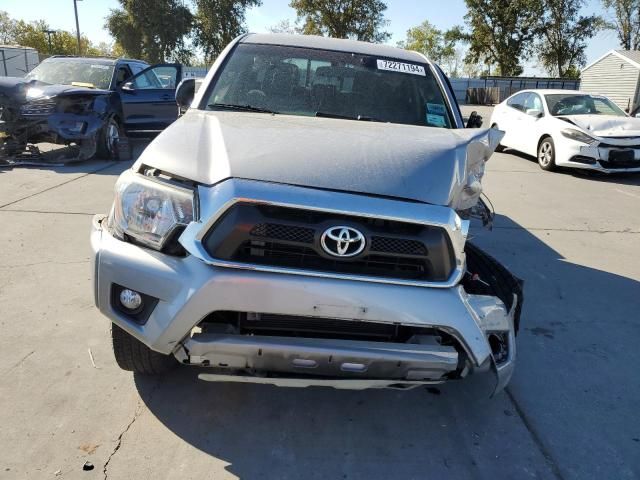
{"x":575,"y":104}
{"x":312,"y":82}
{"x":73,"y":72}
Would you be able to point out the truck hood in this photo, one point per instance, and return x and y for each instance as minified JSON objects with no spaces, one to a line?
{"x":605,"y":125}
{"x":425,"y":164}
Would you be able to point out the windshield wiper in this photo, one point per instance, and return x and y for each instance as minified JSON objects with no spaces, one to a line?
{"x":239,"y":108}
{"x":362,"y":118}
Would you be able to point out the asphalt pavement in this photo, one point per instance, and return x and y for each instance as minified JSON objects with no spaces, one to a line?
{"x":571,"y":411}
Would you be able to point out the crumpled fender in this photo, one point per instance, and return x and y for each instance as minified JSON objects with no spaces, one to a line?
{"x":65,"y":125}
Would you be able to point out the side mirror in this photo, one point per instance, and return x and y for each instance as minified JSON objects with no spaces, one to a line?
{"x":535,"y":113}
{"x":128,"y":87}
{"x":475,"y":120}
{"x":184,"y":94}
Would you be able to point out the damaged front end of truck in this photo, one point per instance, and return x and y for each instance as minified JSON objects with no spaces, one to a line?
{"x":243,"y":285}
{"x":33,"y":113}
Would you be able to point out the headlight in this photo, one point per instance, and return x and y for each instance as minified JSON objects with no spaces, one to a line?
{"x":578,"y":136}
{"x":149,"y":211}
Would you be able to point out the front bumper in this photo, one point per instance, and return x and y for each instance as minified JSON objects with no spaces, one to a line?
{"x":188,"y":289}
{"x":594,"y":157}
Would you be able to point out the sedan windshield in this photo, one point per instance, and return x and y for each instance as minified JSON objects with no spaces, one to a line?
{"x":72,"y":72}
{"x":323,"y":83}
{"x":576,"y":104}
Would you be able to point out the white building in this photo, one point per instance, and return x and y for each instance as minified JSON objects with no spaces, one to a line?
{"x":614,"y":75}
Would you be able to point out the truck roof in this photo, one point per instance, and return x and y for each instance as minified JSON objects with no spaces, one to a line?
{"x":335,"y":44}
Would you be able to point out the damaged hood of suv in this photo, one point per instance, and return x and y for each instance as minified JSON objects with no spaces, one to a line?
{"x":433,"y":165}
{"x":20,"y":90}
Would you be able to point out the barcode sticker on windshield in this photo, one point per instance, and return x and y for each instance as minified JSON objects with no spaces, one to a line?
{"x":401,"y":67}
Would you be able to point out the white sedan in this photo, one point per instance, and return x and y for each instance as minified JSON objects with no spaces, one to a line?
{"x":567,"y":128}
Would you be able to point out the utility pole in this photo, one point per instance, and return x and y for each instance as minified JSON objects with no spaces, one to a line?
{"x":75,"y":8}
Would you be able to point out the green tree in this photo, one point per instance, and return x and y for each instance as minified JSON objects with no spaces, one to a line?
{"x":626,"y":21}
{"x":217,"y":22}
{"x":152,"y":30}
{"x":563,"y":35}
{"x":62,"y":42}
{"x":435,"y":44}
{"x":359,"y":19}
{"x":501,"y":32}
{"x":7,"y":29}
{"x":283,"y":26}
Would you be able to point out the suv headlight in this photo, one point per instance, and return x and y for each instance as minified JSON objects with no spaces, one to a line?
{"x":149,"y":211}
{"x":578,"y":136}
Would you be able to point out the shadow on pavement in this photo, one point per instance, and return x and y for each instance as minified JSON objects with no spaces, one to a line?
{"x":576,"y":349}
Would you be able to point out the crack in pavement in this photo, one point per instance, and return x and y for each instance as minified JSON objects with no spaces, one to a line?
{"x":580,"y":230}
{"x":136,"y":415}
{"x":546,"y":453}
{"x":44,"y":263}
{"x":111,"y":164}
{"x":19,"y":362}
{"x":46,"y":212}
{"x":496,"y":227}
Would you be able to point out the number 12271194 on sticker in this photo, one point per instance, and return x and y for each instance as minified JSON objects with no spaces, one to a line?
{"x":401,"y":67}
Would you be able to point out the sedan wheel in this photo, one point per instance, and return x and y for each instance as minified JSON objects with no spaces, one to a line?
{"x":547,"y":154}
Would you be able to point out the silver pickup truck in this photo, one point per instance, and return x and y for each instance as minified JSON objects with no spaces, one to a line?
{"x":305,"y":223}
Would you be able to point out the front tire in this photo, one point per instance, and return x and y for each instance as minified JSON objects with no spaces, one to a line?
{"x":547,"y":154}
{"x":108,"y":140}
{"x":134,"y":356}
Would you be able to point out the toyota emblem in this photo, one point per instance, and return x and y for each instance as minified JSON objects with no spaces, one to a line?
{"x":342,"y":241}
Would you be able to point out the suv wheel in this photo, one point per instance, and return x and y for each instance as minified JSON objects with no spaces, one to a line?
{"x":134,"y":356}
{"x":108,"y":141}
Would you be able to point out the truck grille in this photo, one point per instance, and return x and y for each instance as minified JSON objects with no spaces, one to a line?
{"x":289,"y":238}
{"x":45,"y":107}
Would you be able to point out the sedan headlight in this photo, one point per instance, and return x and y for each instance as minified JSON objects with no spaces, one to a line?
{"x":578,"y":136}
{"x":149,"y":211}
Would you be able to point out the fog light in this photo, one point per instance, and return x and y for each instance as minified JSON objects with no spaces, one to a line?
{"x":130,"y":300}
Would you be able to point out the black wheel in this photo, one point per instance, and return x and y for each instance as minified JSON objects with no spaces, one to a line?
{"x":500,"y":147}
{"x":496,"y":280}
{"x":134,"y":356}
{"x":107,"y":147}
{"x":547,"y":154}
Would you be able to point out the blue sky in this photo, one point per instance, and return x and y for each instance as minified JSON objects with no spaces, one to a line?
{"x":402,"y":15}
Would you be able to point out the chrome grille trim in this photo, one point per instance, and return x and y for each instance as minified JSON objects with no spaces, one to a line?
{"x":217,"y":199}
